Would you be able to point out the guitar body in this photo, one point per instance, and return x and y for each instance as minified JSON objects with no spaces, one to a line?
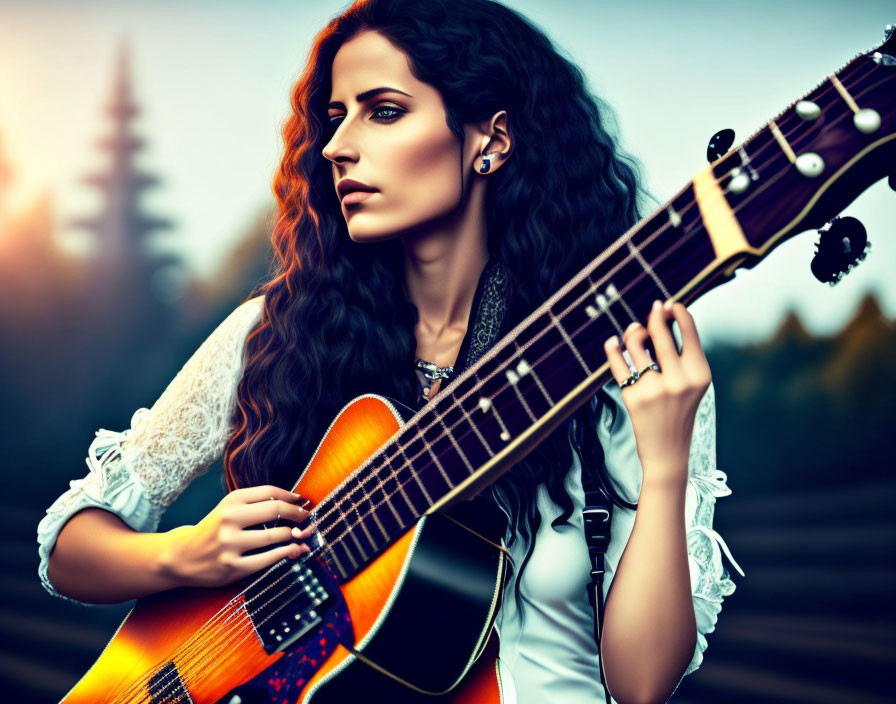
{"x":414,"y":625}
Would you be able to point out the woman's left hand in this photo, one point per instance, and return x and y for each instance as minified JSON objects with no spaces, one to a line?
{"x":662,"y":404}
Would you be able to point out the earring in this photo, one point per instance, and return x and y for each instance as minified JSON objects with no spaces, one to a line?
{"x":486,"y":164}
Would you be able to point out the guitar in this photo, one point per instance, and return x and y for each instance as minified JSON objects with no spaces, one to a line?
{"x":392,"y":487}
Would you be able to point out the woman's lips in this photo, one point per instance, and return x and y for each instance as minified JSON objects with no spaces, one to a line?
{"x":356,"y":197}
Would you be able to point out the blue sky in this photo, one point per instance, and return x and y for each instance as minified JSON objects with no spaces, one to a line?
{"x":213,"y":79}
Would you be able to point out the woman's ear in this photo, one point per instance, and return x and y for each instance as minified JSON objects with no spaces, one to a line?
{"x":495,"y":143}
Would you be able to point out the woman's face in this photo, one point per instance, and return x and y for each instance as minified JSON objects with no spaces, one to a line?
{"x":395,"y":142}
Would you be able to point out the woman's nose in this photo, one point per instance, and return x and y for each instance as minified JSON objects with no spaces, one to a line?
{"x":339,"y":149}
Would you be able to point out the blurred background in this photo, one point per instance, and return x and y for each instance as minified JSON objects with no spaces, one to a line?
{"x":138,"y":141}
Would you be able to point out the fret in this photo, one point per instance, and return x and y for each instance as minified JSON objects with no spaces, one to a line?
{"x":513,"y":379}
{"x":782,"y":142}
{"x":460,"y":452}
{"x":537,"y":379}
{"x":376,"y":505}
{"x":394,"y":475}
{"x":435,"y":459}
{"x":345,"y":528}
{"x":475,"y":429}
{"x":604,"y":306}
{"x":390,"y":491}
{"x":486,"y":405}
{"x":337,"y":562}
{"x":353,"y":534}
{"x":557,"y":324}
{"x":353,"y":489}
{"x":847,"y":98}
{"x":384,"y":519}
{"x":649,"y":269}
{"x":416,"y":476}
{"x":614,"y":294}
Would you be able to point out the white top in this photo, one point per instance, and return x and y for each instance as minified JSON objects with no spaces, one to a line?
{"x":137,"y":473}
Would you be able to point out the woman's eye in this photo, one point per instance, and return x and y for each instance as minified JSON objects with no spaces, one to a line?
{"x":383,"y":112}
{"x":389,"y":109}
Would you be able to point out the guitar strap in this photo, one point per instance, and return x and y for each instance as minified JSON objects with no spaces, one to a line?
{"x":596,"y":519}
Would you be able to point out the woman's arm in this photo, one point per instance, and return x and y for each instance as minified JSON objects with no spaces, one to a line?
{"x":650,"y":633}
{"x":99,"y":559}
{"x":135,"y":474}
{"x":650,"y":630}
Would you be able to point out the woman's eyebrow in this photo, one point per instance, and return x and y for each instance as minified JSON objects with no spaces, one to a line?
{"x":367,"y":94}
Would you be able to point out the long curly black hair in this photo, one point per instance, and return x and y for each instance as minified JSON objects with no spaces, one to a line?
{"x":562,"y":197}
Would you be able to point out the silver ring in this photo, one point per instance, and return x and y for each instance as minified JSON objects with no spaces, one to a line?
{"x":631,"y":380}
{"x":652,"y":367}
{"x":276,"y":520}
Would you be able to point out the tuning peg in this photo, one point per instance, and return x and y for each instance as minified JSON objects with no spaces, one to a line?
{"x":842,"y":245}
{"x":719,"y":144}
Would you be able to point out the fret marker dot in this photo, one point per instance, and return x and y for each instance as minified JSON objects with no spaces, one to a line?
{"x":739,"y":182}
{"x":809,"y":164}
{"x":807,"y":111}
{"x":866,"y":121}
{"x":505,"y":436}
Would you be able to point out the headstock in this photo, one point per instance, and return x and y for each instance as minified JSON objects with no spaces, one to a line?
{"x":813,"y":159}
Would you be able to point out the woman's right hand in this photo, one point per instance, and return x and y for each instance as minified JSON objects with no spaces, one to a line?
{"x":210,"y":553}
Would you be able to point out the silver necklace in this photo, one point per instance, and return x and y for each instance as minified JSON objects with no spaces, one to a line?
{"x":432,"y":372}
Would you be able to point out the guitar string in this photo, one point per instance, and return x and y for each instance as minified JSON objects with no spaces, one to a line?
{"x":640,"y":277}
{"x":772,"y":144}
{"x":690,"y":205}
{"x":626,"y":261}
{"x":185,"y":654}
{"x":360,"y":484}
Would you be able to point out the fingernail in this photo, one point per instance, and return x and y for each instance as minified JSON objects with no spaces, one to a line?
{"x":656,"y":304}
{"x":296,"y":533}
{"x":614,"y":341}
{"x":668,"y":304}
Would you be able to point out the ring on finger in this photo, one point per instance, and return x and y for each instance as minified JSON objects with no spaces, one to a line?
{"x":631,"y":379}
{"x":652,"y":367}
{"x":276,"y":520}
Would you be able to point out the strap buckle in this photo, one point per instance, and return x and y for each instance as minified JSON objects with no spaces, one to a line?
{"x":590,"y":512}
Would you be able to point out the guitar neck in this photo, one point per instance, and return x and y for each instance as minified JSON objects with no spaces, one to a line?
{"x":799,"y":170}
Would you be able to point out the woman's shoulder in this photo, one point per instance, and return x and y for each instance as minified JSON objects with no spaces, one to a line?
{"x":228,"y":338}
{"x":248,"y":312}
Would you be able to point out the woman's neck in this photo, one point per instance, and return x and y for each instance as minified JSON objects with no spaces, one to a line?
{"x":442,"y":271}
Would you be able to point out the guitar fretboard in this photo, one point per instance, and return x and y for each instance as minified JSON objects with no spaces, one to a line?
{"x":730,"y":215}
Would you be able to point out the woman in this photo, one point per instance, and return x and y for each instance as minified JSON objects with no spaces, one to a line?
{"x":487,"y":179}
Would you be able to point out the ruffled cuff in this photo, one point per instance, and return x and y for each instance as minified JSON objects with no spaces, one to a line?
{"x":710,"y":582}
{"x":109,"y":485}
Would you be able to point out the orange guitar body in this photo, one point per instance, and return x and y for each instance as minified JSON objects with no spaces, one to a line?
{"x":183,"y":629}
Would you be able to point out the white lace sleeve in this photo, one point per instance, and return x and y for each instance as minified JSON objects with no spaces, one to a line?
{"x":710,"y":582}
{"x":137,"y":473}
